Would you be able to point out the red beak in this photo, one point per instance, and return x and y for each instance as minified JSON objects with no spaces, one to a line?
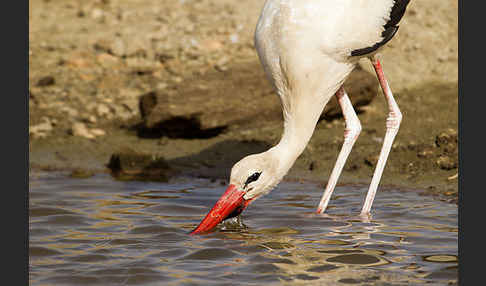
{"x":229,"y":205}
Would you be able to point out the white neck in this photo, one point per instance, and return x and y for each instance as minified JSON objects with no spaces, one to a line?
{"x":302,"y":104}
{"x":299,"y":126}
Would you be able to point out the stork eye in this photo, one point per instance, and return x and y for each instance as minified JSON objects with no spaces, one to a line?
{"x":252,"y":178}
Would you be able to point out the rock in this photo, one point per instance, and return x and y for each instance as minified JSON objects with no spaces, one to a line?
{"x":131,"y":104}
{"x":351,"y":167}
{"x":174,"y":66}
{"x":131,"y":165}
{"x":446,"y":142}
{"x":102,"y":110}
{"x":79,"y":60}
{"x":97,"y":132}
{"x":80,"y":13}
{"x":71,"y":112}
{"x":79,"y":129}
{"x":103,"y":45}
{"x":46,"y":81}
{"x":142,"y":65}
{"x":453,"y":177}
{"x":211,"y":45}
{"x":162,"y":85}
{"x":314,"y":165}
{"x":41,"y":130}
{"x":371,"y":160}
{"x":89,"y":118}
{"x":120,"y":111}
{"x":447,"y":163}
{"x":107,"y":60}
{"x":221,"y":64}
{"x":446,"y":137}
{"x":129,"y":93}
{"x":97,"y":14}
{"x":426,"y":153}
{"x":118,"y":47}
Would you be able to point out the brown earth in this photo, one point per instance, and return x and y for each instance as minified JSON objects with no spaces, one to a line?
{"x":111,"y":77}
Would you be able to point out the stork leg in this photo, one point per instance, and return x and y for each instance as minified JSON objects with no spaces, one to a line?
{"x":351,"y":132}
{"x":392,"y":124}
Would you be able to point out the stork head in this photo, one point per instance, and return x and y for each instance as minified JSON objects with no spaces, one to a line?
{"x":252,"y":177}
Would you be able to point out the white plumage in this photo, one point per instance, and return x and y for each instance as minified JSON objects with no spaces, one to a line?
{"x":307,"y":49}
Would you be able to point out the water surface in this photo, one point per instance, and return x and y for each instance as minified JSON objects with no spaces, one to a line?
{"x":98,"y":231}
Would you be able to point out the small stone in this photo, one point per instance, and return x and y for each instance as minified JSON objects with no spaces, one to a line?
{"x":174,"y":67}
{"x":107,"y":60}
{"x":425,"y":153}
{"x":210,"y":45}
{"x":121,"y":112}
{"x":97,"y":132}
{"x":131,"y":104}
{"x":202,"y":86}
{"x":40,"y":130}
{"x":446,"y":163}
{"x":97,"y":14}
{"x":46,"y":81}
{"x":39,"y":135}
{"x":312,"y":166}
{"x":102,"y":45}
{"x":371,"y":160}
{"x":129,"y":93}
{"x":352,"y":167}
{"x":448,"y":136}
{"x":79,"y":129}
{"x":71,"y":112}
{"x":453,"y":177}
{"x":162,"y":85}
{"x":221,"y":68}
{"x":142,"y":65}
{"x":78,"y":60}
{"x":117,"y":47}
{"x":91,"y":119}
{"x":377,"y":139}
{"x":221,"y":65}
{"x":442,"y":58}
{"x":132,"y":165}
{"x":177,"y":79}
{"x":102,"y":110}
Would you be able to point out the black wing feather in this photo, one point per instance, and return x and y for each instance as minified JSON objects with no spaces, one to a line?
{"x":391,"y":28}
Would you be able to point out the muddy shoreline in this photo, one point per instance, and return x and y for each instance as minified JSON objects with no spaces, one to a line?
{"x":91,"y":64}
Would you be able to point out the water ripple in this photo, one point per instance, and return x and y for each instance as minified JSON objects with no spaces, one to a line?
{"x":98,"y":231}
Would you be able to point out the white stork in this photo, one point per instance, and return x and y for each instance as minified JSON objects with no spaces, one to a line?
{"x":307,"y":49}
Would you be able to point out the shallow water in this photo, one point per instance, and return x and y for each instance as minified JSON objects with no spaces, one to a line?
{"x":98,"y":231}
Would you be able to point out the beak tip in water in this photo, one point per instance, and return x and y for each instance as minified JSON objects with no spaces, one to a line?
{"x":230,"y":203}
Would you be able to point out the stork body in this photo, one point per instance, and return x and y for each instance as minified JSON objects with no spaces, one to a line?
{"x":308,"y":49}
